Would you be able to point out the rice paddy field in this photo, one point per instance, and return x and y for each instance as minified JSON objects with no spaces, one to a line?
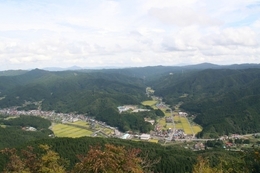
{"x":186,"y":126}
{"x":180,"y":123}
{"x":196,"y":129}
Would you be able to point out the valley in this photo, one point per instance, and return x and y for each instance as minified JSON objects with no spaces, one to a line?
{"x":182,"y":114}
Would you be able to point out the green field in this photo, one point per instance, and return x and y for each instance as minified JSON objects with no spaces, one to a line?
{"x":79,"y":129}
{"x":196,"y":129}
{"x":149,"y":103}
{"x":186,"y":126}
{"x":67,"y":130}
{"x":153,"y":140}
{"x":180,"y":123}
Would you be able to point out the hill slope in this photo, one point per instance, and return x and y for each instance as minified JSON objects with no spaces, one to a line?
{"x":225,"y":101}
{"x":94,"y":94}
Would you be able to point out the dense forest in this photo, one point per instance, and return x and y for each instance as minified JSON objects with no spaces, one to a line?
{"x":162,"y":158}
{"x":13,"y":131}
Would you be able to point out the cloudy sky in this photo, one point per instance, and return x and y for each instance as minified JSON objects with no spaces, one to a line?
{"x":124,"y":33}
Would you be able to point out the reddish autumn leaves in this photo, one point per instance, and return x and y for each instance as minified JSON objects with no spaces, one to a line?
{"x":107,"y":159}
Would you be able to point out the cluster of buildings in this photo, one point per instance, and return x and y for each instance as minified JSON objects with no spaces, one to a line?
{"x":143,"y":136}
{"x":50,"y":115}
{"x":131,"y":108}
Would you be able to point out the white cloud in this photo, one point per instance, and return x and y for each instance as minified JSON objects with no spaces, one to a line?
{"x":128,"y":33}
{"x":182,"y":17}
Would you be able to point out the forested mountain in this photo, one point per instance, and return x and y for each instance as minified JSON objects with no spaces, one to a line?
{"x":224,"y":100}
{"x":12,"y":72}
{"x":212,"y":92}
{"x":153,"y":72}
{"x":93,"y":94}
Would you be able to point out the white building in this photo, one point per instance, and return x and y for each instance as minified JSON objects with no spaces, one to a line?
{"x":145,"y":136}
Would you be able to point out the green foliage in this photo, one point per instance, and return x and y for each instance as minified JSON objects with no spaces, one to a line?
{"x":24,"y":120}
{"x":114,"y":159}
{"x":30,"y":162}
{"x":94,"y":94}
{"x":13,"y":135}
{"x":87,"y":151}
{"x":225,"y":101}
{"x":159,"y":113}
{"x":28,"y":107}
{"x":172,"y":159}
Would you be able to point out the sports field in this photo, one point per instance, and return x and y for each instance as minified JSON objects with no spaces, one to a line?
{"x":79,"y":129}
{"x":74,"y":130}
{"x":149,"y":103}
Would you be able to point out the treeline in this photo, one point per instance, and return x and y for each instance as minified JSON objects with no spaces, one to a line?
{"x":165,"y":158}
{"x":127,"y":121}
{"x":25,"y":120}
{"x":12,"y":134}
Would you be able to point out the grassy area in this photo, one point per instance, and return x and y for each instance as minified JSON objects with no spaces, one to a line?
{"x":196,"y":129}
{"x":153,"y":140}
{"x":149,"y":103}
{"x":178,"y":124}
{"x":66,"y":130}
{"x":169,"y":125}
{"x":186,"y":126}
{"x":10,"y":117}
{"x":108,"y":131}
{"x":77,"y":129}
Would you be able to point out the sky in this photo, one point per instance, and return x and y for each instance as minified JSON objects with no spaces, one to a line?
{"x":127,"y":33}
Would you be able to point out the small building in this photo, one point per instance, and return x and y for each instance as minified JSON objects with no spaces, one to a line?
{"x":183,"y":114}
{"x":31,"y":129}
{"x":145,"y":136}
{"x":126,"y":136}
{"x":168,"y":119}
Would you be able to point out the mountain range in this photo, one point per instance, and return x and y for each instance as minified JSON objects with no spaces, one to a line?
{"x":224,"y":99}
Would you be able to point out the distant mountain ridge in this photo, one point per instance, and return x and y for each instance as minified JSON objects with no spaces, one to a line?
{"x":145,"y":71}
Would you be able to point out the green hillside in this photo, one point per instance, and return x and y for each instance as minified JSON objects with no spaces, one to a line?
{"x":93,"y":94}
{"x":225,"y":101}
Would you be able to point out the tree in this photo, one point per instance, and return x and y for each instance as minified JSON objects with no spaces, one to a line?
{"x":111,"y":159}
{"x":30,"y":162}
{"x":203,"y":166}
{"x":106,"y":159}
